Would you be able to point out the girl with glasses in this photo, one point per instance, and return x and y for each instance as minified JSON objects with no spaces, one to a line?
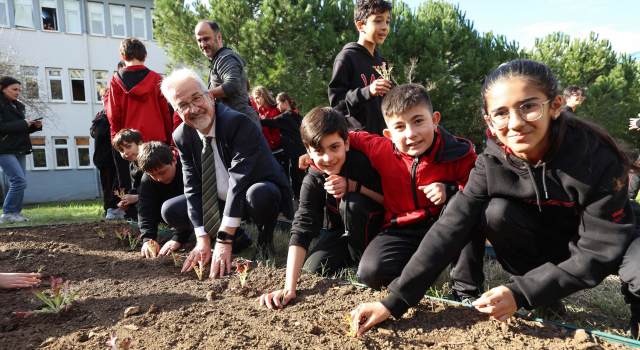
{"x":550,"y":194}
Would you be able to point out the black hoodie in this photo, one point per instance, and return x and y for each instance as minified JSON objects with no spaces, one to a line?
{"x":289,"y":125}
{"x":353,"y":72}
{"x":575,"y":190}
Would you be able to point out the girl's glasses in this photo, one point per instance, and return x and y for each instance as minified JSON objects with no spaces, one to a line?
{"x":528,"y":111}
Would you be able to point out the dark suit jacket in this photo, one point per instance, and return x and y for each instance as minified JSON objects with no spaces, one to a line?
{"x":245,"y":153}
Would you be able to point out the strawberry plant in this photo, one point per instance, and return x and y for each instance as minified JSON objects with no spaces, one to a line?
{"x":176,"y":258}
{"x":123,"y":345}
{"x":383,"y":71}
{"x":242,"y":272}
{"x":352,"y":330}
{"x":60,"y":299}
{"x":199,"y":269}
{"x":101,"y":234}
{"x":151,"y":245}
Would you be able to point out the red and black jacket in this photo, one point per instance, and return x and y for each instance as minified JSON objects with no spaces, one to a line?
{"x":450,"y":160}
{"x":271,"y":134}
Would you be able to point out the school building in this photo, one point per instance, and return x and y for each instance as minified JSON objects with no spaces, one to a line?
{"x":68,"y":50}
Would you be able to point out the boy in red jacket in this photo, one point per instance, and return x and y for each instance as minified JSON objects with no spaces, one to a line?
{"x":422,"y":166}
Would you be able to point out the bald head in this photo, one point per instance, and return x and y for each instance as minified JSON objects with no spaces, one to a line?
{"x":208,"y":37}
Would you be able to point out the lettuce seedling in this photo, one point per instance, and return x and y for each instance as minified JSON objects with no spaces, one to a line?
{"x":199,"y":269}
{"x":352,"y":330}
{"x":383,"y":71}
{"x":60,"y":299}
{"x":176,"y":258}
{"x":151,"y":245}
{"x":242,"y":272}
{"x":101,"y":234}
{"x":123,"y":345}
{"x":133,"y":241}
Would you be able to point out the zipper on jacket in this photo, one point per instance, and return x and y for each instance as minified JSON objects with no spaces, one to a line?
{"x":414,"y":186}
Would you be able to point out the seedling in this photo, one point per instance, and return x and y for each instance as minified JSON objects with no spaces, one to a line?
{"x":120,"y":235}
{"x":283,"y":293}
{"x":40,"y":268}
{"x":176,"y":258}
{"x":242,"y":272}
{"x":19,"y":253}
{"x":199,"y":269}
{"x":151,"y":245}
{"x":60,"y":299}
{"x":123,"y":345}
{"x":352,"y":330}
{"x":120,"y":192}
{"x":133,"y":241}
{"x":101,"y":234}
{"x":383,"y":71}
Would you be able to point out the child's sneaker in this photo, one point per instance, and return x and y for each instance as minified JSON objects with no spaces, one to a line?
{"x":12,"y":217}
{"x":21,"y":216}
{"x":113,"y":214}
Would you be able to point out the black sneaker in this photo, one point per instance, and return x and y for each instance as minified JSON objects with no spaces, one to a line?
{"x":555,"y":308}
{"x":634,"y":322}
{"x":464,"y":298}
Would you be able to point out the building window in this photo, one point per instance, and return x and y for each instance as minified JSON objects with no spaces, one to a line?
{"x":31,"y":89}
{"x":61,"y":148}
{"x":24,"y":13}
{"x":54,"y":77}
{"x":84,"y":158}
{"x":72,"y":15}
{"x":77,"y":85}
{"x":49,"y":10}
{"x":101,"y":79}
{"x":96,"y":18}
{"x":39,"y":154}
{"x":118,"y":28}
{"x":139,"y":23}
{"x":153,"y":23}
{"x":4,"y":16}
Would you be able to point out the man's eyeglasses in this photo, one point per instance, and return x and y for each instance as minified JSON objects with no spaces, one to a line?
{"x":578,"y":95}
{"x":528,"y":111}
{"x":185,"y":108}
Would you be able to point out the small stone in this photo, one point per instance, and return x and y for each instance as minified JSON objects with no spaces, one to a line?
{"x":563,"y":331}
{"x":131,"y":327}
{"x":153,"y":308}
{"x":11,"y":233}
{"x":211,"y":295}
{"x":296,"y":324}
{"x":581,"y":336}
{"x":131,"y":311}
{"x":386,"y":332}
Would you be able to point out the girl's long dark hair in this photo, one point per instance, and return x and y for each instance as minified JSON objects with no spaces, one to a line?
{"x":539,"y":74}
{"x":283,"y":96}
{"x":4,"y":101}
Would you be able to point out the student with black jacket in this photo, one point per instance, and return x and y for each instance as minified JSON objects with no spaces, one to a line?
{"x":162,"y":180}
{"x":549,"y":193}
{"x":343,"y":181}
{"x":356,"y":88}
{"x":103,"y":160}
{"x":288,"y":124}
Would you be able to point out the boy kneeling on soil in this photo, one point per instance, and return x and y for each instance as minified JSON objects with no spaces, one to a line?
{"x":162,"y":180}
{"x":126,"y":142}
{"x":343,"y":180}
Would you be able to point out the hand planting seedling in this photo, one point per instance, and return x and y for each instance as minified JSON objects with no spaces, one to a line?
{"x":101,"y":234}
{"x":60,"y":299}
{"x":283,"y":293}
{"x":176,"y":258}
{"x":199,"y":269}
{"x":123,"y":345}
{"x":242,"y":271}
{"x":151,"y":245}
{"x":383,"y":71}
{"x":120,"y":193}
{"x":352,"y":330}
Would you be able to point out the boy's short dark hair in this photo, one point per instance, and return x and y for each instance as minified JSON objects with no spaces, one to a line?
{"x":133,"y":48}
{"x":322,"y":121}
{"x":366,"y":8}
{"x":154,"y":155}
{"x":571,"y":90}
{"x":403,"y":97}
{"x":128,"y":136}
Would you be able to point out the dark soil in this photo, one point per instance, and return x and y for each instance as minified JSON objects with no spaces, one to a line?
{"x":111,"y":278}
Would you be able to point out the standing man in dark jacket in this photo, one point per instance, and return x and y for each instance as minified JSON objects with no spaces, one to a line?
{"x":227,"y":77}
{"x":103,"y":160}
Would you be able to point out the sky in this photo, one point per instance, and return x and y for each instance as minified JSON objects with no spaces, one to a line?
{"x":523,"y":21}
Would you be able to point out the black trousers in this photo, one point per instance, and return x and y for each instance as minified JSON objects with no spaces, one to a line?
{"x":634,"y":182}
{"x":336,"y":250}
{"x":389,"y":253}
{"x":296,"y":175}
{"x":262,"y":207}
{"x":109,"y":183}
{"x":523,"y":241}
{"x":124,"y":180}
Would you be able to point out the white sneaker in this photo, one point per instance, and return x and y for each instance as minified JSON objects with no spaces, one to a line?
{"x":4,"y":218}
{"x":113,"y":214}
{"x":21,"y":216}
{"x":12,"y":217}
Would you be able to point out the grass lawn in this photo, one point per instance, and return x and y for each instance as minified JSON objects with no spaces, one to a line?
{"x":60,"y":212}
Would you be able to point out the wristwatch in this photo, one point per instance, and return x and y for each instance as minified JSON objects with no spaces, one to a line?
{"x":223,"y":236}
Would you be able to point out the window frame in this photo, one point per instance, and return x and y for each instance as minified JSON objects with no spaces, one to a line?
{"x":71,"y":79}
{"x":15,"y":10}
{"x":49,"y":78}
{"x":28,"y":77}
{"x":67,"y":16}
{"x":55,"y":152}
{"x":96,"y":81}
{"x":39,"y":147}
{"x":144,"y":22}
{"x":57,"y":19}
{"x":89,"y":6}
{"x":6,"y":11}
{"x":124,"y":20}
{"x":77,"y":152}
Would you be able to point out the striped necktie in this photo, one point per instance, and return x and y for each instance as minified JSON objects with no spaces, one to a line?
{"x":210,"y":209}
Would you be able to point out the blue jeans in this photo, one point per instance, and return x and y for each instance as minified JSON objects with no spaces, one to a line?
{"x":14,"y":167}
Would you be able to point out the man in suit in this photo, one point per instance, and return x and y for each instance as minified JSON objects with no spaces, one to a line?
{"x":228,"y":172}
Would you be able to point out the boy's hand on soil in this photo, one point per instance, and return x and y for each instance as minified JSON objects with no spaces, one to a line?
{"x":368,"y":315}
{"x":202,"y":250}
{"x":221,"y":260}
{"x":435,"y":192}
{"x":336,"y":185}
{"x":18,"y":280}
{"x":276,"y":298}
{"x":380,"y":86}
{"x":497,"y":303}
{"x":304,"y":162}
{"x":169,"y":247}
{"x":145,"y":249}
